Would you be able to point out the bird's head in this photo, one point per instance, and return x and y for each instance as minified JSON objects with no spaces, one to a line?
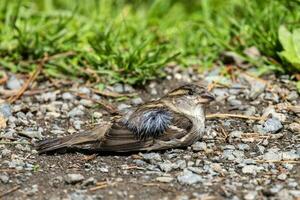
{"x":189,"y":98}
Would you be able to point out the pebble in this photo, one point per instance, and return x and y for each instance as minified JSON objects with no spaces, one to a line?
{"x":76,"y":112}
{"x":188,"y":177}
{"x":33,"y":133}
{"x":250,"y":169}
{"x":68,"y":96}
{"x":4,"y":179}
{"x":13,"y":83}
{"x":137,"y":101}
{"x":84,"y":90}
{"x":272,"y":125}
{"x":166,"y":166}
{"x":295,"y":127}
{"x":74,"y":178}
{"x":250,"y":111}
{"x":250,"y":195}
{"x":86,"y":102}
{"x":199,"y":146}
{"x":5,"y":110}
{"x":272,"y":156}
{"x":151,"y":157}
{"x":89,"y":181}
{"x":293,"y":95}
{"x":236,"y":134}
{"x":282,"y":177}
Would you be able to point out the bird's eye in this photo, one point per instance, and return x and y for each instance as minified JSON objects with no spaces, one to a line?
{"x":190,"y":92}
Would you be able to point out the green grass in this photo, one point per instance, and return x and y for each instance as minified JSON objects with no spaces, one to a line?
{"x":131,"y":41}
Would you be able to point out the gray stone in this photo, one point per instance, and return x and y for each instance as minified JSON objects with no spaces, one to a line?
{"x":74,"y":178}
{"x":33,"y":133}
{"x":84,"y":90}
{"x":188,"y":177}
{"x":166,"y":166}
{"x":282,"y":177}
{"x":89,"y":181}
{"x":250,"y":195}
{"x":137,"y":101}
{"x":250,"y":111}
{"x":87,"y":103}
{"x":199,"y":146}
{"x":67,"y":96}
{"x":48,"y":96}
{"x":272,"y":125}
{"x":123,"y":107}
{"x":250,"y":169}
{"x":284,"y":194}
{"x":293,"y":95}
{"x":76,"y":112}
{"x":4,"y":179}
{"x":13,"y":83}
{"x":272,"y":156}
{"x":5,"y":110}
{"x":243,"y":147}
{"x":290,"y":155}
{"x":151,"y":157}
{"x":236,"y":134}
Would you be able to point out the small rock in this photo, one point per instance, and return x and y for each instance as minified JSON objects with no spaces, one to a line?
{"x":76,"y":112}
{"x":250,"y":111}
{"x":123,"y":107}
{"x":292,"y":96}
{"x":282,"y":177}
{"x":89,"y":181}
{"x":290,"y":155}
{"x":250,"y":195}
{"x":272,"y":125}
{"x":236,"y":134}
{"x":74,"y":178}
{"x":32,"y":133}
{"x":166,"y":166}
{"x":86,"y":102}
{"x":284,"y":194}
{"x":199,"y":146}
{"x":14,"y":83}
{"x":137,"y":101}
{"x":295,"y":127}
{"x":4,"y":179}
{"x":188,"y":177}
{"x":97,"y":115}
{"x":67,"y":96}
{"x":164,"y":179}
{"x":272,"y":156}
{"x":5,"y":110}
{"x":151,"y":157}
{"x":250,"y":169}
{"x":84,"y":90}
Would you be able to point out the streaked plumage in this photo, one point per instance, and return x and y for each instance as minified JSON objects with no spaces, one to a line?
{"x":175,"y":120}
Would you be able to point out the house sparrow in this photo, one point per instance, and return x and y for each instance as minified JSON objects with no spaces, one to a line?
{"x":175,"y":120}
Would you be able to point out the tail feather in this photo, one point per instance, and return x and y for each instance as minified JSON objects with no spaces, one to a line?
{"x":70,"y":141}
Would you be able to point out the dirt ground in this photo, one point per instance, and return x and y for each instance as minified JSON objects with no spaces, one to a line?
{"x":236,"y":159}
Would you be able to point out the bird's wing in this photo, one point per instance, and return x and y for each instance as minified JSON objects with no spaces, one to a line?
{"x":121,"y":138}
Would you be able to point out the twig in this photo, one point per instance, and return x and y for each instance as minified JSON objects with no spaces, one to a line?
{"x":228,"y":115}
{"x":9,"y":191}
{"x":40,"y":64}
{"x":3,"y":79}
{"x":13,"y":143}
{"x":278,"y":161}
{"x":29,"y":81}
{"x":107,"y":106}
{"x":112,"y":94}
{"x":98,"y":187}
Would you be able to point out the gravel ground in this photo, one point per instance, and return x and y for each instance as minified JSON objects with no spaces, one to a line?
{"x":237,"y":158}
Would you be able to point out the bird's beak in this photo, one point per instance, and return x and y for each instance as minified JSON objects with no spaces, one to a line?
{"x":206,"y":98}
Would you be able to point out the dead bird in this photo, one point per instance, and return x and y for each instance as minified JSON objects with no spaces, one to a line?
{"x":175,"y":120}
